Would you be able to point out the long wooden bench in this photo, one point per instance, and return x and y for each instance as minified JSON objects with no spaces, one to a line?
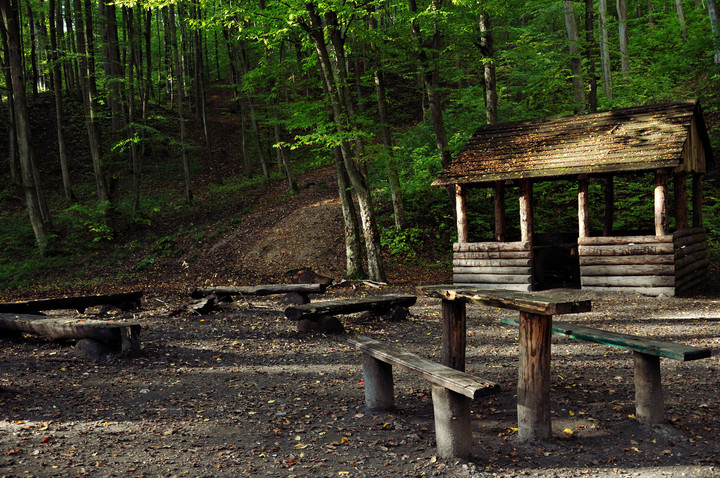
{"x":322,"y":312}
{"x":452,"y":391}
{"x":649,"y":402}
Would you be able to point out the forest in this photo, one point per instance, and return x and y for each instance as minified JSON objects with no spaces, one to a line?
{"x":105,"y":107}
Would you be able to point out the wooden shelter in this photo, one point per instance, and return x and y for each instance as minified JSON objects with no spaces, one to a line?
{"x":667,"y":140}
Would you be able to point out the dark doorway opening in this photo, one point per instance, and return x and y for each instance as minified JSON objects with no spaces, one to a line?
{"x":555,"y":261}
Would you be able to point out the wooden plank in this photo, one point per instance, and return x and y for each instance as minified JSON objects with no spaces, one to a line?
{"x":492,"y":246}
{"x":650,"y":291}
{"x":347,"y":306}
{"x":629,"y":249}
{"x":479,"y":285}
{"x":620,"y":240}
{"x":628,"y":281}
{"x":455,"y":380}
{"x":627,"y":260}
{"x":493,"y":278}
{"x":626,"y":341}
{"x":492,"y":270}
{"x":625,"y":270}
{"x":55,"y":328}
{"x":267,"y":289}
{"x":125,"y":301}
{"x":535,"y":303}
{"x":491,"y":262}
{"x":493,"y":255}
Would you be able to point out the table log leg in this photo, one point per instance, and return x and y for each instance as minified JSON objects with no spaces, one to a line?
{"x":533,"y":401}
{"x":649,"y":403}
{"x":453,"y":317}
{"x":453,"y":427}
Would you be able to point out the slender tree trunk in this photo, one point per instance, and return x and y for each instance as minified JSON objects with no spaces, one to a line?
{"x":11,"y":32}
{"x":487,"y":49}
{"x":33,"y":51}
{"x":353,"y":244}
{"x":590,"y":53}
{"x":681,"y":19}
{"x":623,"y":34}
{"x":253,"y":119}
{"x":575,"y":62}
{"x":604,"y":49}
{"x":715,"y":25}
{"x":13,"y":160}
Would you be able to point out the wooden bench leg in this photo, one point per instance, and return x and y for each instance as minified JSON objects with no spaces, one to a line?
{"x":453,"y":427}
{"x":649,"y":403}
{"x":379,"y":393}
{"x":533,"y":397}
{"x":130,"y":341}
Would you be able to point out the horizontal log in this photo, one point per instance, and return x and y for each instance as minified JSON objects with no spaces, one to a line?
{"x":348,"y":306}
{"x":628,"y":281}
{"x":493,"y":270}
{"x":690,"y":284}
{"x":693,"y":231}
{"x":628,"y":270}
{"x":268,"y":289}
{"x":689,"y":240}
{"x":651,"y":291}
{"x":493,"y":278}
{"x":629,"y":249}
{"x":691,"y":249}
{"x":491,"y":246}
{"x":683,"y":261}
{"x":692,"y":271}
{"x":124,"y":301}
{"x":493,"y":255}
{"x":627,"y":260}
{"x":619,"y":240}
{"x":509,"y":287}
{"x":491,"y":262}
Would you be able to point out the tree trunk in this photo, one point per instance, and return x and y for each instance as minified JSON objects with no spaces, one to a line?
{"x":353,"y":244}
{"x":715,"y":25}
{"x":575,"y":62}
{"x":681,"y":19}
{"x":11,"y":32}
{"x":605,"y":50}
{"x":590,"y":53}
{"x":487,"y":50}
{"x":33,"y":51}
{"x":623,"y":33}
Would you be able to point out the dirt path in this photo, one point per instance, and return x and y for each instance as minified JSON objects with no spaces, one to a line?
{"x":242,"y":393}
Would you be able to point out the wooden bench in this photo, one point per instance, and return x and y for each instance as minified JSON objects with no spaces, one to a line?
{"x":452,"y":391}
{"x":649,"y":403}
{"x":297,"y":293}
{"x":322,"y":312}
{"x":124,"y":335}
{"x":123,"y":301}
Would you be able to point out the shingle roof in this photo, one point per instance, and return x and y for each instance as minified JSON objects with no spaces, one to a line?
{"x":632,"y":139}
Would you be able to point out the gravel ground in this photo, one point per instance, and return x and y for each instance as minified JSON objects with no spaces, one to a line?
{"x":240,"y":392}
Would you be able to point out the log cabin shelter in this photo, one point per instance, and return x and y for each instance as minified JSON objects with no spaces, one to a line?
{"x":666,"y":145}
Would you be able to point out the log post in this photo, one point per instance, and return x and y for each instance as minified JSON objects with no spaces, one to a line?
{"x":533,"y":397}
{"x":454,"y":329}
{"x":379,"y":394}
{"x":661,"y":194}
{"x":649,"y":403}
{"x":583,"y":207}
{"x":500,"y":211}
{"x":697,"y":199}
{"x":453,"y":427}
{"x":609,"y":205}
{"x":526,"y":211}
{"x":461,"y":213}
{"x":681,"y":200}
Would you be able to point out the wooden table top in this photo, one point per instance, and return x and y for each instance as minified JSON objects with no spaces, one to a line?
{"x":540,"y":303}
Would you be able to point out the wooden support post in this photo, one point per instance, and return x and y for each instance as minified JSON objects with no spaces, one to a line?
{"x":526,"y":211}
{"x":609,"y":205}
{"x":379,"y":393}
{"x":681,"y":201}
{"x":533,"y":397}
{"x":454,"y":328}
{"x":130,"y":341}
{"x":697,"y":199}
{"x":583,"y":207}
{"x":649,"y":403}
{"x":661,"y":194}
{"x":453,"y":426}
{"x":500,"y":211}
{"x":461,"y":213}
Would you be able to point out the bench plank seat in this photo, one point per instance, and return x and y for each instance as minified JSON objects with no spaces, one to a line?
{"x":455,"y":380}
{"x":631,"y":342}
{"x":260,"y":290}
{"x":315,"y":310}
{"x":124,"y":301}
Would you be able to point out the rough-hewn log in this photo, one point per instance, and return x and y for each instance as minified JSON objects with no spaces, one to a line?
{"x":457,"y":262}
{"x":689,"y":259}
{"x":692,"y":249}
{"x":627,"y":260}
{"x":609,"y":216}
{"x":629,"y":281}
{"x":126,"y":335}
{"x":526,"y":211}
{"x":583,"y":208}
{"x":690,"y":239}
{"x":499,"y":287}
{"x":348,"y":306}
{"x":454,"y":334}
{"x":492,"y":278}
{"x":623,"y":240}
{"x":493,"y":255}
{"x":697,"y":200}
{"x":492,"y":270}
{"x":630,"y":249}
{"x":650,"y":291}
{"x":533,"y":392}
{"x":690,"y":232}
{"x":681,"y":200}
{"x":461,"y":213}
{"x":269,"y":289}
{"x":661,"y":194}
{"x":124,"y":301}
{"x":624,"y":270}
{"x":517,"y":246}
{"x":500,"y":215}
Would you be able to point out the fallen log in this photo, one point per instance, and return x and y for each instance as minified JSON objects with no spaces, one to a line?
{"x":123,"y":301}
{"x":348,"y":306}
{"x":268,"y":289}
{"x":124,"y":335}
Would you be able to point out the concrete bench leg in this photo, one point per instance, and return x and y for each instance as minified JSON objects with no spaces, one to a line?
{"x":649,"y":403}
{"x":453,"y":427}
{"x":379,"y":393}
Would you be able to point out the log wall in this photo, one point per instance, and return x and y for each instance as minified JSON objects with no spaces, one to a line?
{"x":652,"y":265}
{"x":493,"y":265}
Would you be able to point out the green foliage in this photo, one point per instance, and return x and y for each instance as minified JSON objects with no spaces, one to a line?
{"x":402,"y":242}
{"x":87,"y":221}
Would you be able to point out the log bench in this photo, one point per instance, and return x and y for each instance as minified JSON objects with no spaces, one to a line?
{"x":123,"y":301}
{"x":649,"y":403}
{"x":124,"y":335}
{"x":295,"y":293}
{"x":322,"y":313}
{"x":452,"y":391}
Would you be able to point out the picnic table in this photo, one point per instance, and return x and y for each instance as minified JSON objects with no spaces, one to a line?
{"x":536,"y":312}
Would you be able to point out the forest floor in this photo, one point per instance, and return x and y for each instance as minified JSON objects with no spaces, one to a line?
{"x":240,"y":392}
